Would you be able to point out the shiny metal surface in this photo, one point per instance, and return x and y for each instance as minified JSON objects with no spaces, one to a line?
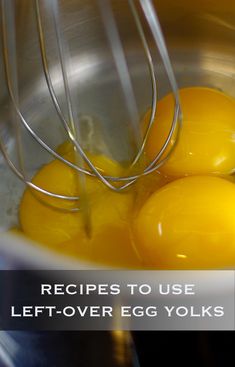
{"x":71,"y":123}
{"x":200,"y":38}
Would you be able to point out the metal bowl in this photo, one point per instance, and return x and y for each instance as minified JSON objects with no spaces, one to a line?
{"x":200,"y":40}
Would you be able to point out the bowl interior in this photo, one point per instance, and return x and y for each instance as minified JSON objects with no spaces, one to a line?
{"x":201,"y":48}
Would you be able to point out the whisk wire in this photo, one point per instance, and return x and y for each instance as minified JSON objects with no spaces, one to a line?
{"x":71,"y":127}
{"x":94,"y":171}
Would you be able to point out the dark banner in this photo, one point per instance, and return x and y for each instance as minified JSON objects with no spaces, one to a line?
{"x":123,"y":300}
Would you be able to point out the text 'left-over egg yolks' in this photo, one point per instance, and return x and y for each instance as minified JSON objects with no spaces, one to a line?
{"x":206,"y":142}
{"x":188,"y":224}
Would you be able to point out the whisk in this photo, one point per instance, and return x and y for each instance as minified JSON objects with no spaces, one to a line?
{"x":83,"y":164}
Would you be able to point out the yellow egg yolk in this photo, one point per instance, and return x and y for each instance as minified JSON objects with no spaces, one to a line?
{"x":188,"y":224}
{"x":163,"y":221}
{"x":206,"y":142}
{"x":48,"y":219}
{"x":104,"y":164}
{"x":110,"y":215}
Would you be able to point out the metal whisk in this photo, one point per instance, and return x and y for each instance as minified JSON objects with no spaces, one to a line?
{"x":84,"y":165}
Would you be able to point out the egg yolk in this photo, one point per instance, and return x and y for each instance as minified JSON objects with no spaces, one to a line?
{"x":182,"y":218}
{"x":48,"y":221}
{"x":104,"y":164}
{"x":188,"y":224}
{"x":206,"y":141}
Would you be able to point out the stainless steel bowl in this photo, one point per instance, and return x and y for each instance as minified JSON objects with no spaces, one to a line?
{"x":200,"y":37}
